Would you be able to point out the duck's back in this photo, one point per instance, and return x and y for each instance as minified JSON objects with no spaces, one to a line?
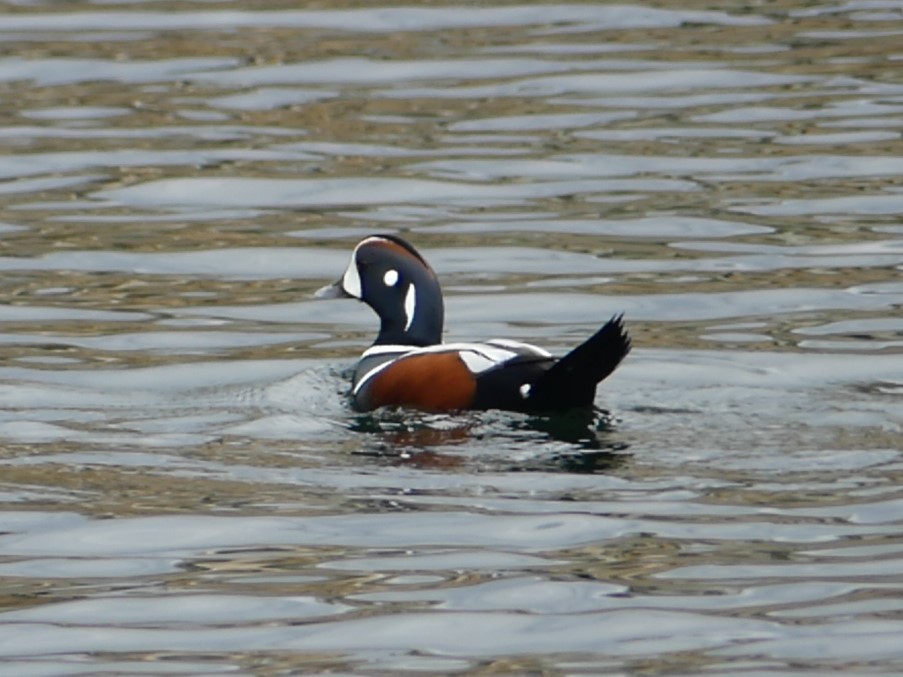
{"x":450,"y":376}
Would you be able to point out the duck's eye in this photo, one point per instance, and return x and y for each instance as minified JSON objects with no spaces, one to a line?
{"x":391,"y":277}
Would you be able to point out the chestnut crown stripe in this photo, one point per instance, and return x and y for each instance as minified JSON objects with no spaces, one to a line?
{"x":351,"y":280}
{"x":397,"y":246}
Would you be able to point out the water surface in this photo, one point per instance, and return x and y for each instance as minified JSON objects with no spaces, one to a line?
{"x":184,"y":487}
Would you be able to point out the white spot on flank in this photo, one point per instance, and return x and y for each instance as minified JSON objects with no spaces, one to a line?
{"x":525,"y":390}
{"x":410,"y":306}
{"x":391,"y":278}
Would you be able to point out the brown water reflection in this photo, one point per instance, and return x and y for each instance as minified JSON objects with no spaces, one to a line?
{"x":184,"y":488}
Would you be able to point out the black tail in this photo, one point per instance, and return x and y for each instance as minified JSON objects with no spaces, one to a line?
{"x":572,"y":381}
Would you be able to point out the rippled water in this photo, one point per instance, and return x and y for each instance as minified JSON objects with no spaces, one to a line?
{"x":184,"y":488}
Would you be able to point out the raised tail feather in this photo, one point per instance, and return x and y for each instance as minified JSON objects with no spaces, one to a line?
{"x":571,"y":382}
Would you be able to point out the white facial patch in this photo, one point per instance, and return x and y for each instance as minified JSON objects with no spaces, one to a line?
{"x":351,"y":280}
{"x":524,"y":390}
{"x":410,"y":306}
{"x":391,"y":278}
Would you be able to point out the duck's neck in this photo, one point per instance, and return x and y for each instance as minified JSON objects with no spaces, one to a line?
{"x":424,"y":329}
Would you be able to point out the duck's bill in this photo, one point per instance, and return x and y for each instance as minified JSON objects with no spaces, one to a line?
{"x":332,"y":291}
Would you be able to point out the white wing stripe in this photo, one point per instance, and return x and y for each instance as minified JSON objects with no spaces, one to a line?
{"x":476,"y":362}
{"x":478,"y":357}
{"x":496,"y":349}
{"x":518,"y":345}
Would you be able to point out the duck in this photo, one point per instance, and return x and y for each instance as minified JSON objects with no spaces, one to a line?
{"x":409,"y":366}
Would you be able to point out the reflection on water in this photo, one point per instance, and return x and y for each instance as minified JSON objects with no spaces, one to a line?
{"x":186,"y":491}
{"x":581,"y":441}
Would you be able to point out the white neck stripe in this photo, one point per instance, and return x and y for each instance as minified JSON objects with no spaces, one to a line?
{"x":410,"y":306}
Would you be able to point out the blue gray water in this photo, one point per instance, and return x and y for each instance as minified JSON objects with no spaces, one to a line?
{"x":184,"y":488}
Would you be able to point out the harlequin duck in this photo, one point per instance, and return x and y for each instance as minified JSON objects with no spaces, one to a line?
{"x":409,"y":366}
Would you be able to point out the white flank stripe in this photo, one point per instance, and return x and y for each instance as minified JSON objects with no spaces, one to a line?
{"x":370,"y":374}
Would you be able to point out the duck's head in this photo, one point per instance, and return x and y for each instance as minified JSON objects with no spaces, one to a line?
{"x":391,"y":277}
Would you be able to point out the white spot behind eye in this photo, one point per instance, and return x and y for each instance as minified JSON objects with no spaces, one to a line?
{"x":410,"y":306}
{"x":525,"y":390}
{"x":391,"y":278}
